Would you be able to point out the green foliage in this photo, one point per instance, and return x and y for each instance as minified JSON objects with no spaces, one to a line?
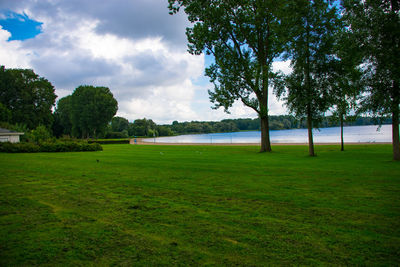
{"x":374,"y":29}
{"x":201,"y":205}
{"x":62,"y":117}
{"x":85,"y":113}
{"x":142,"y":127}
{"x":306,"y":91}
{"x":5,"y":113}
{"x":244,"y":38}
{"x":19,"y":147}
{"x":119,"y":124}
{"x":27,"y":96}
{"x":123,"y":134}
{"x":92,"y":109}
{"x":109,"y":141}
{"x":49,"y":146}
{"x":39,"y":135}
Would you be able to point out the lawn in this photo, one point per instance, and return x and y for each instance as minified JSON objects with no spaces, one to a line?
{"x":201,"y":205}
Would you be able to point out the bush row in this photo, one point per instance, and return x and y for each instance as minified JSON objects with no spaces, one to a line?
{"x":109,"y":141}
{"x":57,"y":146}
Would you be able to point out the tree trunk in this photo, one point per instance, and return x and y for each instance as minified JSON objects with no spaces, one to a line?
{"x":265,"y":141}
{"x":395,"y":131}
{"x":341,"y":133}
{"x":310,"y":135}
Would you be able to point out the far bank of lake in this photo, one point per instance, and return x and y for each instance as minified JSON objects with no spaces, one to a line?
{"x":352,"y":134}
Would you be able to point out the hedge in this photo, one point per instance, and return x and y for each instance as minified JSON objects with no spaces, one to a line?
{"x":109,"y":141}
{"x":57,"y":146}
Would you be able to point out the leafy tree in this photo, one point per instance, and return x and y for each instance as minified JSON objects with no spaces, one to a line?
{"x":92,"y":108}
{"x":5,"y":113}
{"x":306,"y":90}
{"x":119,"y":124}
{"x":39,"y":135}
{"x":345,"y":81}
{"x":143,"y":127}
{"x":244,"y":36}
{"x":62,"y":117}
{"x":27,"y":96}
{"x":164,"y":131}
{"x":375,"y":28}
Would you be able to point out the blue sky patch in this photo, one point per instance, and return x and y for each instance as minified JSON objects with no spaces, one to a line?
{"x":20,"y":26}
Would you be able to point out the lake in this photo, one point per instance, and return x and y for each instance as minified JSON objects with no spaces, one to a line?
{"x":352,"y":134}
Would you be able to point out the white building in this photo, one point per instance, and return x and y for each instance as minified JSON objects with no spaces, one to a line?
{"x":9,"y":136}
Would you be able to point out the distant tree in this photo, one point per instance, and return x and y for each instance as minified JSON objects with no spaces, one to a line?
{"x":5,"y":113}
{"x":345,"y":81}
{"x":92,"y":108}
{"x":119,"y":124}
{"x":164,"y":130}
{"x":62,"y":117}
{"x":244,"y":36}
{"x":27,"y":96}
{"x":39,"y":134}
{"x":375,"y":28}
{"x":306,"y":90}
{"x":144,"y":127}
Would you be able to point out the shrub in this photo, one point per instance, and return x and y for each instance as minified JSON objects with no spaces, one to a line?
{"x":110,"y":141}
{"x":58,"y":146}
{"x":19,"y":147}
{"x":39,"y":135}
{"x":123,"y":134}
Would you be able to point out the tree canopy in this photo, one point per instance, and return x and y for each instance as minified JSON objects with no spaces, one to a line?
{"x":87,"y":112}
{"x":26,"y":97}
{"x":244,"y":36}
{"x":92,"y":109}
{"x":375,"y":30}
{"x":312,"y":30}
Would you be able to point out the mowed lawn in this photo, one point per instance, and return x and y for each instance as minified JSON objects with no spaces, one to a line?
{"x":199,"y":205}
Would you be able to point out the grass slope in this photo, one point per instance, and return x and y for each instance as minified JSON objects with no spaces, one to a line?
{"x":191,"y":205}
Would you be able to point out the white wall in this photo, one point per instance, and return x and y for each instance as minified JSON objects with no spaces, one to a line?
{"x":9,"y":138}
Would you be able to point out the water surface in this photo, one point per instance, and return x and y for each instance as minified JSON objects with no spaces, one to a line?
{"x":352,"y":134}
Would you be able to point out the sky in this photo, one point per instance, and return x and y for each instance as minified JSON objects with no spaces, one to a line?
{"x":133,"y":47}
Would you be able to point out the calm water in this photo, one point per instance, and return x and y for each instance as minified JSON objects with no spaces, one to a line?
{"x":324,"y":135}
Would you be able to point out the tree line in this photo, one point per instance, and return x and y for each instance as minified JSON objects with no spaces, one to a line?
{"x":27,"y":101}
{"x":122,"y":128}
{"x":343,"y":54}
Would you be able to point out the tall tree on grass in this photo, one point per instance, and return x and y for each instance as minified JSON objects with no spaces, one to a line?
{"x":62,"y":117}
{"x":375,"y":26}
{"x":27,"y":96}
{"x":244,"y":37}
{"x":92,"y":108}
{"x":345,"y":81}
{"x":306,"y":90}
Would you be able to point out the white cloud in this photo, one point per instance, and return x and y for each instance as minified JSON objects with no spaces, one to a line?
{"x":133,"y":47}
{"x":11,"y":53}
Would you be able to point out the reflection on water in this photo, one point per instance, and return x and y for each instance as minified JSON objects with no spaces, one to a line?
{"x":352,"y":134}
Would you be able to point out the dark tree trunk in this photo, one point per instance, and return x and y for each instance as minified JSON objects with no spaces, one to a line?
{"x":310,"y":134}
{"x":341,"y":133}
{"x":265,"y":141}
{"x":395,"y":131}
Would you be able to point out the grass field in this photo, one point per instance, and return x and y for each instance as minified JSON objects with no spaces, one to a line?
{"x":198,"y":205}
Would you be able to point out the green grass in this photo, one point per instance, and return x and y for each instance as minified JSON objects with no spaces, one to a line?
{"x":201,"y":205}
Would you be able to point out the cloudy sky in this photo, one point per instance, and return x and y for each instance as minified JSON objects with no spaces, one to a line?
{"x":134,"y":47}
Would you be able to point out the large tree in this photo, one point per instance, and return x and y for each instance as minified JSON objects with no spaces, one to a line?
{"x":375,"y":27}
{"x":345,"y":81}
{"x":312,"y":29}
{"x":62,"y":117}
{"x":244,"y":37}
{"x":119,"y":124}
{"x":92,"y":108}
{"x":28,"y":97}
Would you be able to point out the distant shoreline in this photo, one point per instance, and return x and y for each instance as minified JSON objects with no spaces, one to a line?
{"x":139,"y":141}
